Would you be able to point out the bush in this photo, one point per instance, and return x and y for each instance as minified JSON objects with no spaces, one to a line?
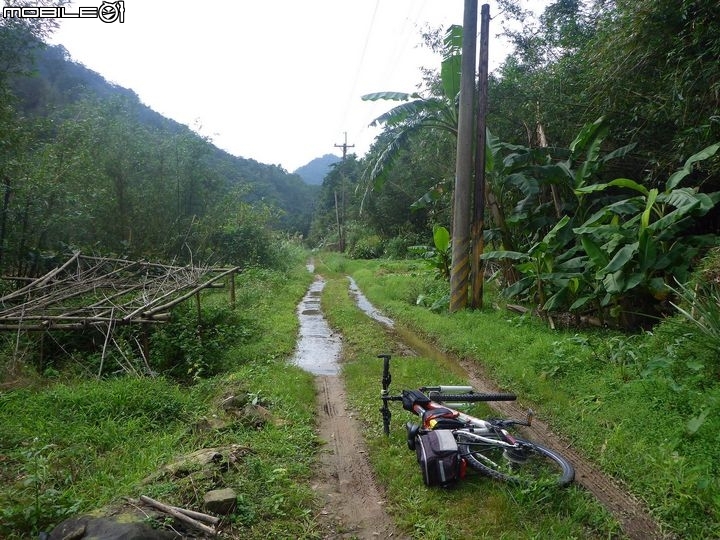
{"x":368,"y":247}
{"x":188,"y":349}
{"x":399,"y":246}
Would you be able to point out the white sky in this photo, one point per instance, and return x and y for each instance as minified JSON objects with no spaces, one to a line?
{"x":276,"y":81}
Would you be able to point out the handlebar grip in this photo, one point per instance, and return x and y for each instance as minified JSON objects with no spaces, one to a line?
{"x":466,"y":398}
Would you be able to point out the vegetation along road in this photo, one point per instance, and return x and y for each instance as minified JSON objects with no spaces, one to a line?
{"x":594,"y":287}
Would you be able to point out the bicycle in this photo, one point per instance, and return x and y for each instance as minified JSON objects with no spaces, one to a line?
{"x":460,"y":440}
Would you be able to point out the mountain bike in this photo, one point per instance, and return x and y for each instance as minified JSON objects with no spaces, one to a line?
{"x":458,"y":439}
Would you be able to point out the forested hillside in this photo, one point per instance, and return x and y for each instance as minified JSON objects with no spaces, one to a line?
{"x":85,"y":165}
{"x":314,"y":173}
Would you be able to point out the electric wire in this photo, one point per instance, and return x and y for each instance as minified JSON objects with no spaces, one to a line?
{"x":358,"y":71}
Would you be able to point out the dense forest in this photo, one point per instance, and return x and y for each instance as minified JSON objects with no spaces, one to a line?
{"x":86,"y":166}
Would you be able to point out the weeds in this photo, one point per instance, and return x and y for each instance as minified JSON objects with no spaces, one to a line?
{"x":76,"y":445}
{"x":431,"y":513}
{"x":41,"y":500}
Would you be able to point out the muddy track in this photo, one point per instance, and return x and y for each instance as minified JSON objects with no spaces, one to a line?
{"x":354,"y":505}
{"x":633,"y":516}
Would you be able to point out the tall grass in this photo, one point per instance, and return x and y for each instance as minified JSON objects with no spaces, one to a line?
{"x":74,"y":445}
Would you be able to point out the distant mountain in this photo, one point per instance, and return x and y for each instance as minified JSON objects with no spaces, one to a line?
{"x":314,"y":172}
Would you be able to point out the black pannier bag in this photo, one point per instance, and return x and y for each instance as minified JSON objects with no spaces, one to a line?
{"x":439,"y":457}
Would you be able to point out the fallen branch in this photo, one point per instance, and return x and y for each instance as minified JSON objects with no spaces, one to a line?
{"x":198,"y":515}
{"x":179,"y":515}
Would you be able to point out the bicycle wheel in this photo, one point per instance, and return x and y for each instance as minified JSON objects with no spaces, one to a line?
{"x":526,"y":463}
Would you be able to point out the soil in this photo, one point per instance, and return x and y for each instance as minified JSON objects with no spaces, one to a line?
{"x":355,"y":505}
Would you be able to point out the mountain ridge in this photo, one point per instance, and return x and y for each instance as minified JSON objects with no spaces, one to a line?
{"x":313,"y":173}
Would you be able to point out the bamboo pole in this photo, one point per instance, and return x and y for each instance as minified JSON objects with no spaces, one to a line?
{"x":42,"y":280}
{"x":184,"y":297}
{"x":231,"y":279}
{"x":180,"y":516}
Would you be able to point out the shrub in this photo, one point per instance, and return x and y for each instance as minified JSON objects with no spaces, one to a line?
{"x":368,"y":247}
{"x":399,"y":246}
{"x":188,"y":349}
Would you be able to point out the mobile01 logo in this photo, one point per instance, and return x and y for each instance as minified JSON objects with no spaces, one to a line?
{"x":108,"y":12}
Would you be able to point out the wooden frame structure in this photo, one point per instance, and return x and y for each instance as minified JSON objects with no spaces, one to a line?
{"x":101,"y":292}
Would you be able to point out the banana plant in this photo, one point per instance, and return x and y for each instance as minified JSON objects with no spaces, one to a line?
{"x":416,"y":112}
{"x":636,"y":244}
{"x":549,"y":272}
{"x":439,"y":258}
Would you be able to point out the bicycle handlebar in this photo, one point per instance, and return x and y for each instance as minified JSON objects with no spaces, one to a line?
{"x":432,"y":394}
{"x":468,"y":398}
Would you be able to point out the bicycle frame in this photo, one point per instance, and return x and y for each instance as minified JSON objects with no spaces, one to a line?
{"x":468,"y":396}
{"x":483,"y":444}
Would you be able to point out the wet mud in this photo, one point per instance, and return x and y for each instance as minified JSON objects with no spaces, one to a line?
{"x":318,"y":348}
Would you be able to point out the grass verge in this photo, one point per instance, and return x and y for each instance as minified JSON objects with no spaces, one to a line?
{"x":638,"y":405}
{"x":478,"y":508}
{"x":73,"y":445}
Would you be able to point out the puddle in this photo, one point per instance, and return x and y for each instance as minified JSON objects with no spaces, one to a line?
{"x":413,"y":342}
{"x":364,"y":304}
{"x":318,"y":348}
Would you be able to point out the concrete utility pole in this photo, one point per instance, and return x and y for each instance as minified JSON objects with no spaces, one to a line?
{"x":459,"y":270}
{"x":477,"y":268}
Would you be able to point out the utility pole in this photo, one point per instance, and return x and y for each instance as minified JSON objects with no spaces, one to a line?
{"x":340,"y":212}
{"x":477,"y":268}
{"x":460,"y":270}
{"x":345,"y":146}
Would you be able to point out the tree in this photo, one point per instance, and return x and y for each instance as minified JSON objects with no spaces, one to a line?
{"x":417,"y":113}
{"x":652,"y":67}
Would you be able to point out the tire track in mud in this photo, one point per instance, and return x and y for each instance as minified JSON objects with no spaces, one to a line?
{"x":354,"y":506}
{"x":635,"y":520}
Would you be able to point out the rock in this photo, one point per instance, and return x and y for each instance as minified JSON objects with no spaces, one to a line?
{"x":194,"y":461}
{"x":206,"y":425}
{"x":254,"y":416}
{"x":235,"y":402}
{"x":221,"y":501}
{"x":120,"y":527}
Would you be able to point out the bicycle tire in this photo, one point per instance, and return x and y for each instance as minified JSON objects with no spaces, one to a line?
{"x":533,"y":464}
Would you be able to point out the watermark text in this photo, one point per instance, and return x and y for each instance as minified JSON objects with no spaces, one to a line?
{"x":108,"y":12}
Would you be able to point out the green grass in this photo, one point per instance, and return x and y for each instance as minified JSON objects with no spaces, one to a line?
{"x":71,"y":444}
{"x":625,"y":401}
{"x":78,"y":445}
{"x":478,"y":508}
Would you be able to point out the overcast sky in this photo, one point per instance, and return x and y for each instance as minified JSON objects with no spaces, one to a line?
{"x":276,"y":81}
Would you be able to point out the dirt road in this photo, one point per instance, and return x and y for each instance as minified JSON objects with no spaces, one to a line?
{"x":354,"y":505}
